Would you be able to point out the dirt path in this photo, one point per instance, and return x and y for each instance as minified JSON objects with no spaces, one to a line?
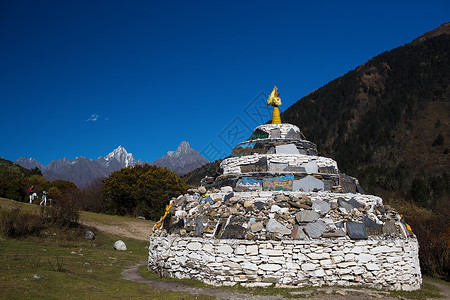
{"x":132,"y":273}
{"x":444,"y":289}
{"x":136,"y":230}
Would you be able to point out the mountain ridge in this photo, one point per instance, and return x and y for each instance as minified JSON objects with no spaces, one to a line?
{"x":83,"y":171}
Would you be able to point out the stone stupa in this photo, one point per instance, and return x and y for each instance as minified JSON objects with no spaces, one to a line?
{"x":280,"y":214}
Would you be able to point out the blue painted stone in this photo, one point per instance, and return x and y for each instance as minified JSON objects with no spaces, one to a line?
{"x":356,"y":231}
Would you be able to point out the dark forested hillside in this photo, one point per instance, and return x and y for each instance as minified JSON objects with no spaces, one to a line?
{"x":387,"y":121}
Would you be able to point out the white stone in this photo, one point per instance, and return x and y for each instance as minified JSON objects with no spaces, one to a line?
{"x":194,"y":246}
{"x":208,"y":248}
{"x":249,"y":266}
{"x":315,"y":255}
{"x":349,"y":257}
{"x":226,"y":189}
{"x":252,"y":250}
{"x":120,"y":245}
{"x":256,"y":284}
{"x":308,"y":267}
{"x":380,"y":249}
{"x":227,"y":249}
{"x":319,"y":273}
{"x":372,"y":267}
{"x":240,"y":250}
{"x":364,"y":258}
{"x":356,"y":250}
{"x":270,"y":267}
{"x":274,"y":208}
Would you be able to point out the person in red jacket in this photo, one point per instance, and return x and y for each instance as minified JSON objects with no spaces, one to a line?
{"x":32,"y":193}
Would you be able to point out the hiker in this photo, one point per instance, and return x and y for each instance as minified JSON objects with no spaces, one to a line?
{"x":44,"y":198}
{"x":31,"y":193}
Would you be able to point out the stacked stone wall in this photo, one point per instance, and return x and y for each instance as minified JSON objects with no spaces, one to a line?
{"x":378,"y":263}
{"x":232,"y":165}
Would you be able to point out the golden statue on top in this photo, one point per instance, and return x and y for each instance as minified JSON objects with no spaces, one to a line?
{"x":275,"y":101}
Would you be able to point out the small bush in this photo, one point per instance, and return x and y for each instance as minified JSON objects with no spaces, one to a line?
{"x":15,"y":224}
{"x":63,"y":214}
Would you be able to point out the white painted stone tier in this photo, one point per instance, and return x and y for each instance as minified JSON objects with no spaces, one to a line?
{"x":379,"y":263}
{"x":284,"y":128}
{"x":232,"y":165}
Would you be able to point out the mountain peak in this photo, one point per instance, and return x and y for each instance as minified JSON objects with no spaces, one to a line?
{"x":183,"y":146}
{"x":182,"y":160}
{"x":122,"y":156}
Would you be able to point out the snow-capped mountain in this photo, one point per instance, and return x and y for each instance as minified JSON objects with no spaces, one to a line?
{"x":81,"y":170}
{"x":118,"y":159}
{"x":182,"y":160}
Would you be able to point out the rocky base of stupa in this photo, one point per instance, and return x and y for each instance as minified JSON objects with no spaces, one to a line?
{"x":291,"y":239}
{"x":377,"y":263}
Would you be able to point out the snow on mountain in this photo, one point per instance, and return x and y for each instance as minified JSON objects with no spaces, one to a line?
{"x":81,"y":170}
{"x":122,"y":156}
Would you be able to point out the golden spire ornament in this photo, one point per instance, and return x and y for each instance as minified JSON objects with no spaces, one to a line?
{"x":275,"y":101}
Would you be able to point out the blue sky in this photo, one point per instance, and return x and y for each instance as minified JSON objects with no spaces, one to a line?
{"x":80,"y":78}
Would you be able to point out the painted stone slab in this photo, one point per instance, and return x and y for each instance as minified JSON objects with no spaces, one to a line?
{"x":250,"y":183}
{"x":233,"y":232}
{"x":275,"y":134}
{"x":372,"y":227}
{"x":259,"y":166}
{"x":321,"y":206}
{"x":241,"y":150}
{"x":345,"y":204}
{"x":306,"y":216}
{"x":311,"y":167}
{"x":276,"y":227}
{"x":177,"y":225}
{"x":349,"y":184}
{"x":261,"y":148}
{"x":389,"y":227}
{"x":259,"y":134}
{"x":338,"y":232}
{"x":297,"y":233}
{"x":200,"y":225}
{"x":292,"y":134}
{"x":309,"y":183}
{"x":286,"y":149}
{"x":259,"y":205}
{"x":277,"y":167}
{"x":354,"y":203}
{"x":356,"y":231}
{"x":328,"y":170}
{"x":271,"y":150}
{"x":283,"y":183}
{"x":315,"y":230}
{"x":296,"y":169}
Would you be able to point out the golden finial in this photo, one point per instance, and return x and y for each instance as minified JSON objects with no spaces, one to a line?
{"x":275,"y":101}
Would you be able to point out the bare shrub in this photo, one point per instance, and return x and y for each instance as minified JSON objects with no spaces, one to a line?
{"x":14,"y":223}
{"x":63,"y":213}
